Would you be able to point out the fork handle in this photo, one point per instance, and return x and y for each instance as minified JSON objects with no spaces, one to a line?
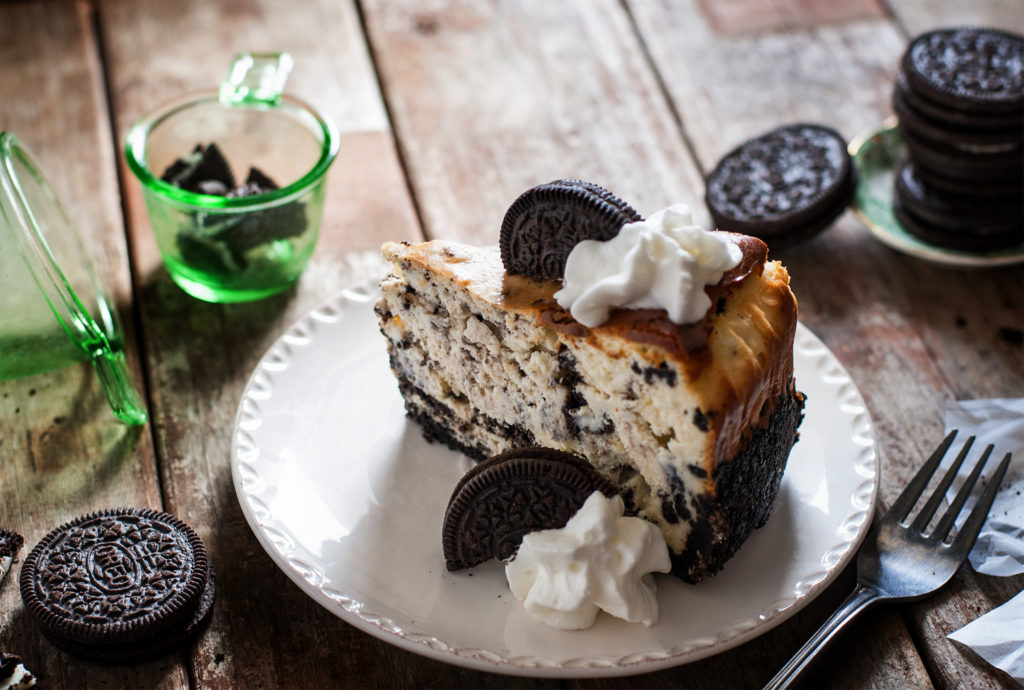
{"x":861,"y":597}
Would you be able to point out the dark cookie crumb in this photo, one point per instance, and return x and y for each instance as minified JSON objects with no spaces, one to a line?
{"x":1011,"y":335}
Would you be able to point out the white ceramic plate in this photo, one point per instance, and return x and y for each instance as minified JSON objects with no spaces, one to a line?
{"x":348,"y":499}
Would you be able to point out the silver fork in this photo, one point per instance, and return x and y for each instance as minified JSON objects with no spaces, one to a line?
{"x":899,"y":562}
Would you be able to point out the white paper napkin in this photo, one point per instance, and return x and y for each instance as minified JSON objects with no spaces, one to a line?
{"x":999,"y":421}
{"x":998,"y":636}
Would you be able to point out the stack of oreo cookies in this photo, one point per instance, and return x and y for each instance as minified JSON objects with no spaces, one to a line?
{"x":959,"y":97}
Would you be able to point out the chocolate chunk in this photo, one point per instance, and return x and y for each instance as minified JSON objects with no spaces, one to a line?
{"x":542,"y":226}
{"x":10,"y":545}
{"x":509,"y":495}
{"x":119,"y":585}
{"x":259,"y":180}
{"x":783,"y":186}
{"x":217,"y":242}
{"x":203,"y":165}
{"x":13,"y":674}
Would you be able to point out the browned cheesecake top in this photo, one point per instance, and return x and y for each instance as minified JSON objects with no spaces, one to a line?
{"x":522,"y":294}
{"x":739,"y":356}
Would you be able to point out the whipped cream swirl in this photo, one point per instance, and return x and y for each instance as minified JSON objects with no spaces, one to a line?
{"x":663,"y":262}
{"x":600,"y":560}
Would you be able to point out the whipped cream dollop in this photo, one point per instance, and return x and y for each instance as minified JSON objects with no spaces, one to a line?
{"x":600,"y":560}
{"x":663,"y":262}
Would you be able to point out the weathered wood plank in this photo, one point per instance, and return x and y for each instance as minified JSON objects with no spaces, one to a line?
{"x":489,"y":99}
{"x":428,"y":81}
{"x":62,"y":452}
{"x":983,"y":327}
{"x":265,"y":631}
{"x":728,"y":88}
{"x":912,"y":334}
{"x":917,"y":16}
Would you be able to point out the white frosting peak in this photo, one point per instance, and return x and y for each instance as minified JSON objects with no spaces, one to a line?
{"x":663,"y":262}
{"x":600,"y":560}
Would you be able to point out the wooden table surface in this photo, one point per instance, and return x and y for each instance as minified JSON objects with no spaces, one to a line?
{"x":448,"y":109}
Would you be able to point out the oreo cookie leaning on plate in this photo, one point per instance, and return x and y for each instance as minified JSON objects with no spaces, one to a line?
{"x":542,"y":226}
{"x":510,"y":495}
{"x":783,"y":186}
{"x":119,"y":585}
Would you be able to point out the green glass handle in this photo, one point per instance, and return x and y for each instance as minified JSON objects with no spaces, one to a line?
{"x":121,"y":393}
{"x":256,"y":79}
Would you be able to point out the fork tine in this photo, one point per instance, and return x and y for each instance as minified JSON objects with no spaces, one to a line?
{"x":967,"y":535}
{"x":980,"y":511}
{"x":946,"y":523}
{"x":908,"y":498}
{"x":922,"y":519}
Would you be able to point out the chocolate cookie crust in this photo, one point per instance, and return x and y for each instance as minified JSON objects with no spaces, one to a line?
{"x":10,"y":543}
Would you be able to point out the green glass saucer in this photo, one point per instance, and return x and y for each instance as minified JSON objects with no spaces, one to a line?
{"x":876,"y":154}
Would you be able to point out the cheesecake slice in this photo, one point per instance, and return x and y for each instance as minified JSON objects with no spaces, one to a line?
{"x":693,"y":423}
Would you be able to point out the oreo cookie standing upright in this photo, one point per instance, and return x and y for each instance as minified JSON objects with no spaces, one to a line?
{"x":543,"y":225}
{"x":783,"y":186}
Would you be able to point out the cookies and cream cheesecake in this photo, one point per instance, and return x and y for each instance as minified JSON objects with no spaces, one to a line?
{"x":663,"y":357}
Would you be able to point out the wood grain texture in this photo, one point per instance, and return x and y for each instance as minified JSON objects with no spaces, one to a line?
{"x":264,"y":630}
{"x":489,"y":99}
{"x":62,"y":452}
{"x":912,"y":335}
{"x":918,"y":16}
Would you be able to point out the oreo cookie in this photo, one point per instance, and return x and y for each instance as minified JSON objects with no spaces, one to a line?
{"x":10,"y":544}
{"x":543,"y":225}
{"x":204,"y":171}
{"x":955,"y":221}
{"x":119,"y":585}
{"x":959,"y":98}
{"x":510,"y":495}
{"x":974,"y":70}
{"x":783,"y":186}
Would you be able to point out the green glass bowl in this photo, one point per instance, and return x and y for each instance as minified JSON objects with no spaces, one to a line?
{"x":222,"y":249}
